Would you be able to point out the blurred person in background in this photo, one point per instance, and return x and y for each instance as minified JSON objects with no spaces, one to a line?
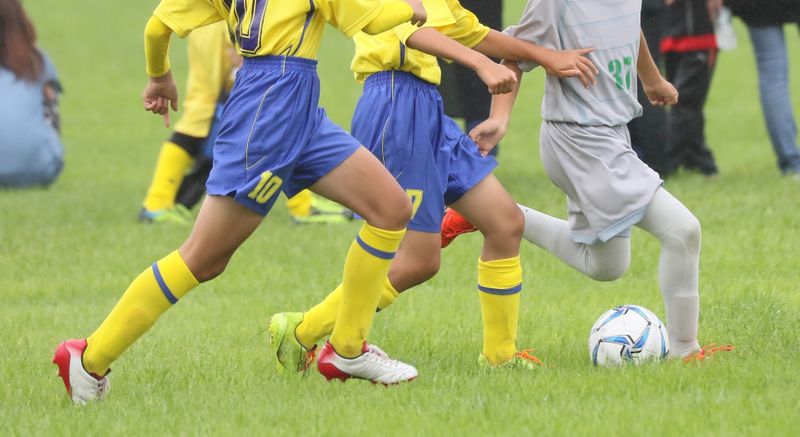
{"x":650,"y":132}
{"x":464,"y":94}
{"x":185,"y":159}
{"x":765,"y":20}
{"x":690,"y":53}
{"x":31,"y":153}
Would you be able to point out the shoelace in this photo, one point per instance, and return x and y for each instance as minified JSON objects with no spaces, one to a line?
{"x":525,"y":354}
{"x":384,"y":360}
{"x":308,"y":358}
{"x":707,"y":351}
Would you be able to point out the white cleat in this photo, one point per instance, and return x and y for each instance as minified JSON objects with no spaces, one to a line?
{"x":373,"y":365}
{"x":81,"y":385}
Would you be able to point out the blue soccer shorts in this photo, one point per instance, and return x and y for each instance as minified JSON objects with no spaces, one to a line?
{"x":273,"y":136}
{"x":400,"y":119}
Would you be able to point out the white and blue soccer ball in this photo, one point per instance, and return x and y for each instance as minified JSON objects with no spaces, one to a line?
{"x":627,"y":334}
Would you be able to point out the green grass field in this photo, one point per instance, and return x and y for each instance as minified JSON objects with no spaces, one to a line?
{"x":68,"y":252}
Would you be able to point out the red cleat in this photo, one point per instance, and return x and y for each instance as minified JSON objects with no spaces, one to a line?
{"x":82,"y":386}
{"x":453,"y":225}
{"x":373,"y":365}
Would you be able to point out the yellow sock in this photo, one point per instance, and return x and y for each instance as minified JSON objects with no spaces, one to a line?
{"x":499,"y":284}
{"x":148,"y":296}
{"x":173,"y":163}
{"x":300,"y":204}
{"x":364,"y":270}
{"x":320,"y":320}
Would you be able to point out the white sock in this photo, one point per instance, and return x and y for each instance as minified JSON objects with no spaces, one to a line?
{"x":678,"y":268}
{"x":604,"y":262}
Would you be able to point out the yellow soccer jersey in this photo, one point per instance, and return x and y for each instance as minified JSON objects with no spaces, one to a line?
{"x":210,"y":74}
{"x":274,"y":27}
{"x":387,"y":51}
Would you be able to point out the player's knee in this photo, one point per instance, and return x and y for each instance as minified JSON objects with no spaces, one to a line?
{"x":688,"y":233}
{"x":608,"y":272}
{"x":508,"y":226}
{"x":394,"y":212}
{"x":427,"y":268}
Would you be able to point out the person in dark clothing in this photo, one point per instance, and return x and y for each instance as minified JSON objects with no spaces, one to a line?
{"x":765,"y":20}
{"x":649,"y":133}
{"x":690,"y":52}
{"x":464,"y":94}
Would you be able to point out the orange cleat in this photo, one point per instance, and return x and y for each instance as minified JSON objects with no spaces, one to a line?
{"x":706,"y":351}
{"x":453,"y":225}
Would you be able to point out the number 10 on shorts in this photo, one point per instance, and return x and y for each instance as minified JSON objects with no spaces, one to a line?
{"x":266,"y":188}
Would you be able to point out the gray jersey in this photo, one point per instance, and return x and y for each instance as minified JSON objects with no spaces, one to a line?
{"x":610,"y":26}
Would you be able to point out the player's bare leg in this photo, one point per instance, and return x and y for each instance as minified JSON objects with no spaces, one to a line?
{"x":363,"y":185}
{"x":221,"y":228}
{"x":492,"y":210}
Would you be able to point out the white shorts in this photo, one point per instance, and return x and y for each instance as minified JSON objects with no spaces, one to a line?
{"x":608,"y":187}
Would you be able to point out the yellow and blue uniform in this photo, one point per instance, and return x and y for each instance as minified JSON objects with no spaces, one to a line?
{"x":400,"y":115}
{"x":400,"y":118}
{"x":273,"y":135}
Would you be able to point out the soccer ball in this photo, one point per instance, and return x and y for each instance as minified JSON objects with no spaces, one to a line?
{"x":627,"y":334}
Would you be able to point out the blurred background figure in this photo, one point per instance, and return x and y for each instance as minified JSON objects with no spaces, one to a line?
{"x":765,"y":20}
{"x":690,"y":52}
{"x":31,"y":153}
{"x":464,"y":94}
{"x":185,"y":159}
{"x":650,"y":132}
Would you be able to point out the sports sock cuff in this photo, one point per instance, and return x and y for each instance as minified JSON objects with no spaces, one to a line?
{"x":173,"y":276}
{"x":501,"y":276}
{"x":192,"y":145}
{"x":388,"y":294}
{"x":381,"y":243}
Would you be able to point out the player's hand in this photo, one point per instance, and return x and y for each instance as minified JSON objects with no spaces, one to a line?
{"x":420,"y":15}
{"x":159,"y":95}
{"x":497,"y":77}
{"x":487,"y":134}
{"x":572,"y":63}
{"x":662,"y":93}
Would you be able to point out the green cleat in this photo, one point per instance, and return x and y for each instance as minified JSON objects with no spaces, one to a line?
{"x":521,"y":360}
{"x":179,"y":215}
{"x":324,"y":211}
{"x":290,"y":354}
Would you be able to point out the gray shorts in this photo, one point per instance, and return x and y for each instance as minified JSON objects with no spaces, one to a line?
{"x":608,"y":187}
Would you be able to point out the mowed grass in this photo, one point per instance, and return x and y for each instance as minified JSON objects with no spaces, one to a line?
{"x":67,"y":253}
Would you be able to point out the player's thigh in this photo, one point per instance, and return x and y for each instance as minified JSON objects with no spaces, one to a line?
{"x":416,"y":261}
{"x":221,"y":227}
{"x":491,"y":209}
{"x":362,"y":184}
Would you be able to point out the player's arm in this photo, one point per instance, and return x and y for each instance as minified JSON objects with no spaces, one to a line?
{"x":567,"y":63}
{"x":658,"y":90}
{"x":395,"y":13}
{"x":161,"y":93}
{"x":487,"y":134}
{"x":497,"y":78}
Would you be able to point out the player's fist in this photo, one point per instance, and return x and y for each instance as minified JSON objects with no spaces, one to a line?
{"x":487,"y":134}
{"x":661,"y":93}
{"x":420,"y":15}
{"x":160,"y":95}
{"x":572,"y":63}
{"x":497,"y":77}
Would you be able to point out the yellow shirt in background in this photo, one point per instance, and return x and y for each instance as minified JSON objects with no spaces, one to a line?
{"x":210,"y":76}
{"x":274,"y":27}
{"x":387,"y":50}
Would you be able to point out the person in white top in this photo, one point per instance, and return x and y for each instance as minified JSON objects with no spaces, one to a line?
{"x":585,"y":149}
